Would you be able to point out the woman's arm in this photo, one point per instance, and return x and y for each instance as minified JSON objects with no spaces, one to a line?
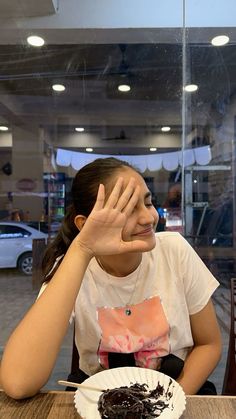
{"x":206,"y":352}
{"x":32,"y":349}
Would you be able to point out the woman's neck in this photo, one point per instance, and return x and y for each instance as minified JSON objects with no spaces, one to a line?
{"x":120,"y":265}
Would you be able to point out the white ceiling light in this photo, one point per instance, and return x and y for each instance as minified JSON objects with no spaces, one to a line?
{"x":153,"y":149}
{"x":35,"y":41}
{"x":58,"y":87}
{"x":3,"y":128}
{"x":124,"y":88}
{"x":191,"y":88}
{"x":89,"y":149}
{"x":220,"y":40}
{"x":79,"y":129}
{"x":165,"y":129}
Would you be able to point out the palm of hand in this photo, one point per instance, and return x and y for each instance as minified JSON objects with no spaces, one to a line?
{"x":102,"y":232}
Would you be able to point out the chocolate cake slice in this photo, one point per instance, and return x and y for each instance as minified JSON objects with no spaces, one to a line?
{"x":134,"y":402}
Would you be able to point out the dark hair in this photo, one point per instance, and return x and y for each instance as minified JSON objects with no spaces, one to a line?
{"x":83,"y":193}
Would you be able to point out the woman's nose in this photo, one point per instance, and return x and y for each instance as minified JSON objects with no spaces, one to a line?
{"x":147,"y":216}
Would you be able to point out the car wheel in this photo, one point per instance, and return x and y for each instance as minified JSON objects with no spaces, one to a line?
{"x":25,"y":263}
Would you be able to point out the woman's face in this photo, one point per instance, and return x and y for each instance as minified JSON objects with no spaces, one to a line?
{"x":141,"y":224}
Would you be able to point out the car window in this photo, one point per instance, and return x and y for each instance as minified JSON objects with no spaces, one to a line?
{"x":13,"y":232}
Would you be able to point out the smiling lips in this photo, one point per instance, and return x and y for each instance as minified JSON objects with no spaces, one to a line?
{"x":145,"y":232}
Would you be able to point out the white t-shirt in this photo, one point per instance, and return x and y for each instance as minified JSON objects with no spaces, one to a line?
{"x":171,"y":283}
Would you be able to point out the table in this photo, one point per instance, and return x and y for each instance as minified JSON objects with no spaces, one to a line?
{"x":60,"y":405}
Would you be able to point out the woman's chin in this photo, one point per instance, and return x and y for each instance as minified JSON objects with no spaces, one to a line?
{"x":150,"y":240}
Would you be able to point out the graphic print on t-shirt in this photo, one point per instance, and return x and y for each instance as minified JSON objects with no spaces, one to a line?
{"x":145,"y":333}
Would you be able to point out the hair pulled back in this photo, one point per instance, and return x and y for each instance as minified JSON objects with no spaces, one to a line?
{"x":83,"y":193}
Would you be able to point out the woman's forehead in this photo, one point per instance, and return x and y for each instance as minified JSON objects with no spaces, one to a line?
{"x":126,"y":173}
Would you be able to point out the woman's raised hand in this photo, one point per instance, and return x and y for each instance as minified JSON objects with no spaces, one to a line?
{"x":102,"y":231}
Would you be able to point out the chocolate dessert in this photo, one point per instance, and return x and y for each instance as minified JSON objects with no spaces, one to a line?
{"x":134,"y":402}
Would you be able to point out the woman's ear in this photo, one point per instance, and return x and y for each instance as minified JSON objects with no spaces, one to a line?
{"x":79,"y":221}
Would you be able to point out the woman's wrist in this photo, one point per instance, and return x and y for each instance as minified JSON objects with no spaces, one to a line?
{"x":81,"y":250}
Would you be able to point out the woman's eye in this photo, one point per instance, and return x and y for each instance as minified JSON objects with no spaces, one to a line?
{"x":148,"y":204}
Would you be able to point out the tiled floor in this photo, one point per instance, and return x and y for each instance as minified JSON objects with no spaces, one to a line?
{"x":16,"y":296}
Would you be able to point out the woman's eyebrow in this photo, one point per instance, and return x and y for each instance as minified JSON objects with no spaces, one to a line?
{"x":147,"y":195}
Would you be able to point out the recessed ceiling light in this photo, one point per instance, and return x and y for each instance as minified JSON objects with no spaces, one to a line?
{"x":79,"y":129}
{"x":165,"y":129}
{"x":89,"y":149}
{"x":58,"y":87}
{"x":191,"y":88}
{"x":220,"y":40}
{"x":3,"y":128}
{"x":35,"y":41}
{"x":195,"y":181}
{"x":124,"y":88}
{"x":153,"y":149}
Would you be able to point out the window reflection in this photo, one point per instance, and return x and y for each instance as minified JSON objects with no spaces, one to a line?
{"x":209,"y":190}
{"x":90,"y":111}
{"x":160,"y":93}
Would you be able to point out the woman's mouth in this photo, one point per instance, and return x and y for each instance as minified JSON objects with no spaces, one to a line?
{"x":145,"y":232}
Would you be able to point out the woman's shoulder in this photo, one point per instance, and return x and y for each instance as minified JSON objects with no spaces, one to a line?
{"x":171,"y":241}
{"x":169,"y":237}
{"x":167,"y":234}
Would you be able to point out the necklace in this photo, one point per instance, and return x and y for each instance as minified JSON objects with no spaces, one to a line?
{"x":127,"y":309}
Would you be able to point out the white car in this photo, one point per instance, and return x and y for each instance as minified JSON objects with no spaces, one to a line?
{"x":16,"y":242}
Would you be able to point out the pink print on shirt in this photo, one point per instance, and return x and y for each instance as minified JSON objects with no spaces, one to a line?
{"x":145,"y":333}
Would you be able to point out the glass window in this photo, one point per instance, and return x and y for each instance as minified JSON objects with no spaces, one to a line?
{"x":208,"y":184}
{"x":153,"y":87}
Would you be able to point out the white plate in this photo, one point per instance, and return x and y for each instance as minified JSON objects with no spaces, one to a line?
{"x":86,"y":400}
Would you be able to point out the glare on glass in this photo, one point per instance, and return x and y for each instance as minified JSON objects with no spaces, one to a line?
{"x":79,"y":129}
{"x":220,"y":40}
{"x":35,"y":41}
{"x":191,"y":88}
{"x":58,"y":87}
{"x":124,"y":88}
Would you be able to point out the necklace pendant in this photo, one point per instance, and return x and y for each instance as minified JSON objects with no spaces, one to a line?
{"x":128,"y":312}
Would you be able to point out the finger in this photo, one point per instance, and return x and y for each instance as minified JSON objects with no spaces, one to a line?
{"x":126,"y":195}
{"x":115,"y":193}
{"x":135,"y":246}
{"x":99,"y":204}
{"x":132,"y":202}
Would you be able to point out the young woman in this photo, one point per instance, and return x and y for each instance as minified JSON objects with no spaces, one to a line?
{"x":138,"y":298}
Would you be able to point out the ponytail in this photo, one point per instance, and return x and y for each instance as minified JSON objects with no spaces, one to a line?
{"x":60,"y":244}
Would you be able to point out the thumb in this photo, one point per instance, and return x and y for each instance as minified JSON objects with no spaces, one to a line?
{"x":136,"y":246}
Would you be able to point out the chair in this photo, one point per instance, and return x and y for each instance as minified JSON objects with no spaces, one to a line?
{"x":229,"y":385}
{"x":75,"y":357}
{"x":76,"y":374}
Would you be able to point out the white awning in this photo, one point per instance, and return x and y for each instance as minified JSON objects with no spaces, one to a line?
{"x":152,"y":162}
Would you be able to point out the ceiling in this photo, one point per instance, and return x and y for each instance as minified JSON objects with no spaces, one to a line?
{"x":91,"y":74}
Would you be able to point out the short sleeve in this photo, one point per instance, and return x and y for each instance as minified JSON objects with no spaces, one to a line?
{"x":45,"y":284}
{"x":43,"y":287}
{"x":199,"y":283}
